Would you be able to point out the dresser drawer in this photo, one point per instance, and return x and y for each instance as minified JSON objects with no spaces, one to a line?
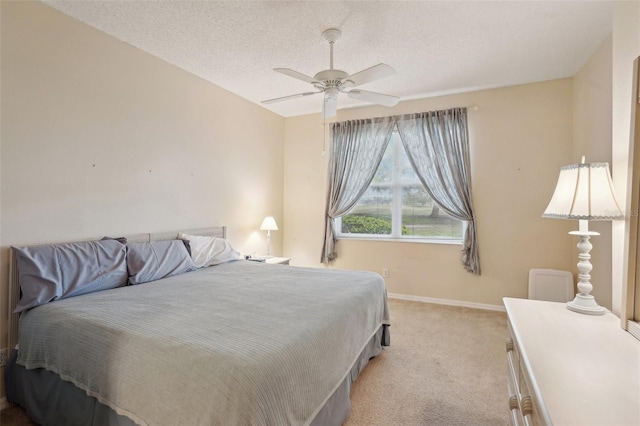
{"x":515,"y":417}
{"x":529,"y":406}
{"x":521,"y":406}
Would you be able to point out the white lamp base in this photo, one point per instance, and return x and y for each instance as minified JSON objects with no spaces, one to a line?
{"x":585,"y":305}
{"x":268,"y":243}
{"x":584,"y":302}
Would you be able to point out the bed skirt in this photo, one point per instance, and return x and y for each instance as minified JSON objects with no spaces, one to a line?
{"x":49,"y":400}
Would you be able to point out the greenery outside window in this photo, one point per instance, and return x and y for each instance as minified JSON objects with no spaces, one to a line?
{"x":396,"y":206}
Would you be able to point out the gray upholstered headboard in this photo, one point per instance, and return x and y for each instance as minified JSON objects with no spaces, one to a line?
{"x":14,"y":282}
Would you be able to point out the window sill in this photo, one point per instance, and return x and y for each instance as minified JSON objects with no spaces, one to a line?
{"x":401,"y":240}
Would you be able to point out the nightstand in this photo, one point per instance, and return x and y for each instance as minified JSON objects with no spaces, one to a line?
{"x":277,"y":260}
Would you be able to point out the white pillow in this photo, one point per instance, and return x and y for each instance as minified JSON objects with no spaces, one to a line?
{"x":208,"y":251}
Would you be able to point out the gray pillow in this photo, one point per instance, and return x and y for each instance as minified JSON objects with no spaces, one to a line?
{"x":157,"y":259}
{"x":58,"y":271}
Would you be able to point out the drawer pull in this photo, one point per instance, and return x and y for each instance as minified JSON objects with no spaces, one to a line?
{"x":509,"y":344}
{"x":513,"y":403}
{"x":526,"y":406}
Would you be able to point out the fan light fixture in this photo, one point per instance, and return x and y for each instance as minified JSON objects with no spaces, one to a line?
{"x":331,"y":82}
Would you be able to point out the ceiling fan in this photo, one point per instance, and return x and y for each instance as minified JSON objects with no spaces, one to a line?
{"x":331,"y":82}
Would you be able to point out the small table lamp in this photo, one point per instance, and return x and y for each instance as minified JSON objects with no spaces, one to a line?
{"x":269,"y":224}
{"x":584,"y":192}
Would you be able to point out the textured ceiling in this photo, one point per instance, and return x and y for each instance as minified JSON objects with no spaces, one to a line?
{"x":436,"y":47}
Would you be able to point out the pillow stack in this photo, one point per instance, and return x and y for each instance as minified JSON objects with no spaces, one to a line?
{"x":57,"y":271}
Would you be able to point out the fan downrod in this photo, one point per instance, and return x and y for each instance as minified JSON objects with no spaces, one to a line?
{"x":331,"y":77}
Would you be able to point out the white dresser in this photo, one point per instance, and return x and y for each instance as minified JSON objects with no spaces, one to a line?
{"x":567,"y":368}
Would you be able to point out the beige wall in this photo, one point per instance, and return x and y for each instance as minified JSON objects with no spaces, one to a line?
{"x":99,"y":138}
{"x":519,"y":136}
{"x":592,"y":138}
{"x":626,"y":48}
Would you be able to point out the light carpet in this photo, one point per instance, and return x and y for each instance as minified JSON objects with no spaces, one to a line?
{"x":446,"y":366}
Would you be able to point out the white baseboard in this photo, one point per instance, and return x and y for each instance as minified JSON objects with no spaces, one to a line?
{"x":447,"y":302}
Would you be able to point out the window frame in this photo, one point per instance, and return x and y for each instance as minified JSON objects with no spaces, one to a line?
{"x":396,"y":210}
{"x":630,"y":309}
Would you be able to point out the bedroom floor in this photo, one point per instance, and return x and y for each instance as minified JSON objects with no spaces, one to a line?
{"x":14,"y":417}
{"x":445,"y":366}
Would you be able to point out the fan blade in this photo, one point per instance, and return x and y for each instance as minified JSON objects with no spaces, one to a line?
{"x":376,"y":72}
{"x":376,"y":98}
{"x":330,"y":106}
{"x":285,"y":98}
{"x":297,"y":75}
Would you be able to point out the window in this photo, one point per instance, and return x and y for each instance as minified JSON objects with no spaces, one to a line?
{"x":396,"y":205}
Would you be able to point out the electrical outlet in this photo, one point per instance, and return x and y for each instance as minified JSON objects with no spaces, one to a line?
{"x":4,"y":356}
{"x":385,"y":272}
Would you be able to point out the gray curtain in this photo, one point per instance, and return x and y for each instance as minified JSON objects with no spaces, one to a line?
{"x":357,"y":147}
{"x":437,"y":144}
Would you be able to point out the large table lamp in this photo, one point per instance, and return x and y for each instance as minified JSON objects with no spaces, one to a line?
{"x":585,"y":192}
{"x":269,"y":224}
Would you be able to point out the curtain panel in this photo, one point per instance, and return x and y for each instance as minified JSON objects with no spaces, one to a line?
{"x":357,"y":148}
{"x":437,"y":144}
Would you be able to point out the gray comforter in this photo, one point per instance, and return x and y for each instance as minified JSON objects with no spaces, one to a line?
{"x":235,"y":344}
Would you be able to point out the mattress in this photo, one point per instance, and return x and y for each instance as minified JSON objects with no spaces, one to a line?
{"x":238,"y":343}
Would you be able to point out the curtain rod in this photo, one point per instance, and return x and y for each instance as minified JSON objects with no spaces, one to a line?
{"x":473,"y":107}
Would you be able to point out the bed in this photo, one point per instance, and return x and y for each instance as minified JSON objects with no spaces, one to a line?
{"x":233,"y":342}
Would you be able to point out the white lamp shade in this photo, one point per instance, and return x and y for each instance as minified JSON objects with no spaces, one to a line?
{"x":584,"y":191}
{"x":269,"y":224}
